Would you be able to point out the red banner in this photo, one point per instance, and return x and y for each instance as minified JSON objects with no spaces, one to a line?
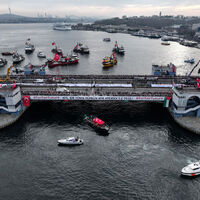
{"x":14,"y":85}
{"x":26,"y":100}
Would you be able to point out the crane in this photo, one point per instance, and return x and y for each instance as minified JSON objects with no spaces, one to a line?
{"x":7,"y":75}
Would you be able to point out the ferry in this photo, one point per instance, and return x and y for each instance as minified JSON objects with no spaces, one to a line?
{"x":29,"y":48}
{"x":164,"y":70}
{"x":97,"y":124}
{"x":80,"y":48}
{"x":62,"y":27}
{"x":62,"y":60}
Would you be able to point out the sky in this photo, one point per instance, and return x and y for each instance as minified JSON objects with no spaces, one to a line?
{"x":101,"y":8}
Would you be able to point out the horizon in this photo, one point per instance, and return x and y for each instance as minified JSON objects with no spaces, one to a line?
{"x":89,"y":8}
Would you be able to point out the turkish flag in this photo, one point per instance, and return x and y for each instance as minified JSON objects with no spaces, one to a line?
{"x":53,"y":43}
{"x":14,"y":85}
{"x":26,"y":100}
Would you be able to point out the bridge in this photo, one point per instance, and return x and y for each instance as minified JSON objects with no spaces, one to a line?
{"x":100,"y":87}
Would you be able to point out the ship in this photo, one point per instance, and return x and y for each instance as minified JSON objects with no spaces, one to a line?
{"x":62,"y":60}
{"x":62,"y":27}
{"x":109,"y":61}
{"x":118,"y":50}
{"x":80,"y":48}
{"x":29,"y":48}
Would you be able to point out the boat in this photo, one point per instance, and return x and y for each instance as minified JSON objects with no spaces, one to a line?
{"x":106,"y":39}
{"x":7,"y":53}
{"x":62,"y":27}
{"x":191,"y":61}
{"x":164,"y":70}
{"x":165,"y":43}
{"x":62,"y":60}
{"x":34,"y":69}
{"x":56,"y":49}
{"x":3,"y":62}
{"x":97,"y":124}
{"x":41,"y":55}
{"x":17,"y":58}
{"x":109,"y":61}
{"x":118,"y":50}
{"x":192,"y":169}
{"x":80,"y":48}
{"x":29,"y":48}
{"x":70,"y":141}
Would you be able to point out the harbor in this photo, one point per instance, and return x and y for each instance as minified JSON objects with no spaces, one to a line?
{"x":140,"y":99}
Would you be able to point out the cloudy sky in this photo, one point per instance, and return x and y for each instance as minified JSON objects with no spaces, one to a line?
{"x":104,"y":8}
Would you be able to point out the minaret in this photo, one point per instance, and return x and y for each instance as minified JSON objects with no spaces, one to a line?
{"x":160,"y":14}
{"x":9,"y":11}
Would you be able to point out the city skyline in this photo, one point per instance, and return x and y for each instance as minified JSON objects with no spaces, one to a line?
{"x":101,"y":8}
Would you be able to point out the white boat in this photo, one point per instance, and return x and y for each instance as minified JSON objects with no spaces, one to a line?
{"x":41,"y":55}
{"x":71,"y":141}
{"x":192,"y":169}
{"x":62,"y":27}
{"x":29,"y":48}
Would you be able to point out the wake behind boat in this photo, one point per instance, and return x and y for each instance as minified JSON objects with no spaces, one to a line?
{"x":97,"y":124}
{"x":192,"y":169}
{"x":71,"y":141}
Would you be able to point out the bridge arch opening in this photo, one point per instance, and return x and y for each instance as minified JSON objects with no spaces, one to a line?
{"x":192,"y":102}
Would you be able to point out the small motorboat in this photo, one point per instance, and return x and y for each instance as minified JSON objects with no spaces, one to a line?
{"x":106,"y":39}
{"x":98,"y":124}
{"x":7,"y":53}
{"x":191,"y":61}
{"x":165,"y":43}
{"x":17,"y":58}
{"x":71,"y":141}
{"x":192,"y":169}
{"x":41,"y":55}
{"x":3,"y":62}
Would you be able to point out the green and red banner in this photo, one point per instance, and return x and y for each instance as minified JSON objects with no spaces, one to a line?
{"x":166,"y":102}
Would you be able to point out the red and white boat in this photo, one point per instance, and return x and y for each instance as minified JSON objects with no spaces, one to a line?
{"x":62,"y":60}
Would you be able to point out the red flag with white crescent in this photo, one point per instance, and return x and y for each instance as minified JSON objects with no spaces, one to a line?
{"x":26,"y":100}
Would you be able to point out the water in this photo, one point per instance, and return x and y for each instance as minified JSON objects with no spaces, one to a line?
{"x":142,"y":156}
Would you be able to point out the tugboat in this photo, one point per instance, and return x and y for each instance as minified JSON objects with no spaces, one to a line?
{"x":71,"y":141}
{"x":109,"y":61}
{"x":97,"y":124}
{"x":41,"y":55}
{"x":17,"y":58}
{"x":192,"y":169}
{"x":80,"y":48}
{"x":62,"y":60}
{"x":29,"y":48}
{"x":118,"y":50}
{"x":191,"y":61}
{"x":3,"y":62}
{"x":56,"y":50}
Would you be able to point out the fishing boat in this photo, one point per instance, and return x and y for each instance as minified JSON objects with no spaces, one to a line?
{"x":62,"y":27}
{"x":62,"y":60}
{"x":97,"y":124}
{"x":29,"y":48}
{"x":80,"y":48}
{"x":109,"y":61}
{"x":41,"y":55}
{"x":3,"y":62}
{"x":17,"y":58}
{"x":118,"y":50}
{"x":70,"y":141}
{"x":191,"y":61}
{"x":192,"y":169}
{"x":106,"y":39}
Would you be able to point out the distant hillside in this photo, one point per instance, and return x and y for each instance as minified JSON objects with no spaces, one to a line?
{"x":12,"y":18}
